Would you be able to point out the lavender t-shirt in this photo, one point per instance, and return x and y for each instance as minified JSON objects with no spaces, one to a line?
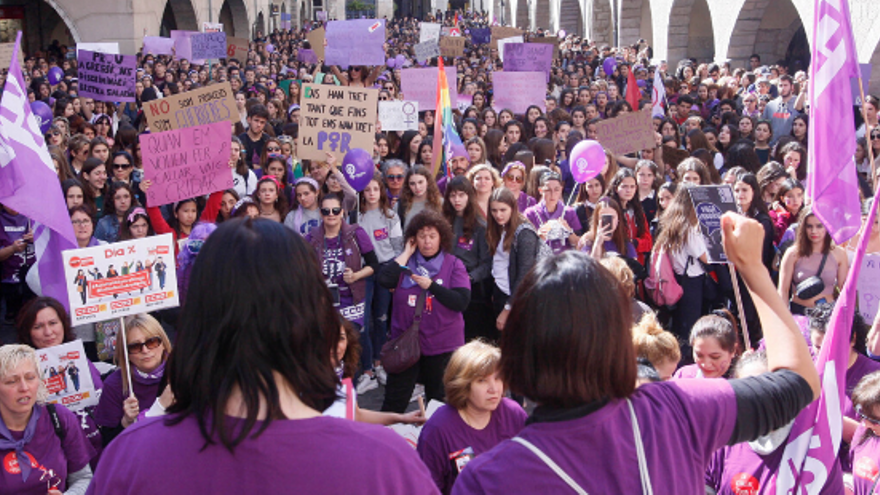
{"x":682,"y":424}
{"x":46,"y":451}
{"x":317,"y":455}
{"x":446,"y":434}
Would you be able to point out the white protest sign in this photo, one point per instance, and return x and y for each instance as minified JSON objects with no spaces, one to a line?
{"x":120,"y":279}
{"x":501,"y":43}
{"x":108,"y":48}
{"x":427,"y":50}
{"x":399,"y":115}
{"x":67,"y":376}
{"x":411,"y":433}
{"x":429,"y":31}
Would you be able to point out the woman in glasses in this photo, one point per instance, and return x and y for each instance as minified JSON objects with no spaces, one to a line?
{"x":394,"y":172}
{"x":104,"y":128}
{"x":271,"y":147}
{"x":865,"y":445}
{"x":346,"y":254}
{"x":514,"y":177}
{"x":122,"y":170}
{"x":148,"y":348}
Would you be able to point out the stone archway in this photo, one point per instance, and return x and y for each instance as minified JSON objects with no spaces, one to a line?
{"x":233,"y":15}
{"x":767,"y":28}
{"x":178,"y":14}
{"x":635,"y":22}
{"x":691,"y":33}
{"x":571,"y":19}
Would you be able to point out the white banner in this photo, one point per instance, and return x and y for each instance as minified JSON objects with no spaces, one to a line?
{"x":399,"y":115}
{"x":429,"y":31}
{"x":67,"y":375}
{"x":121,"y":279}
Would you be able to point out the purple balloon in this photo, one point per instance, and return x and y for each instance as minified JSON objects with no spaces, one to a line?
{"x":400,"y":59}
{"x":55,"y":75}
{"x":43,"y":114}
{"x":270,"y":48}
{"x":391,"y":63}
{"x":587,"y":160}
{"x":357,"y":166}
{"x":641,"y":83}
{"x":609,"y":65}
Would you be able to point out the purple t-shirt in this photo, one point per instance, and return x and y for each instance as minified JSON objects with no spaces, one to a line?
{"x":109,"y":412}
{"x":854,"y":374}
{"x":334,"y":267}
{"x":864,"y":458}
{"x":446,"y":435}
{"x":689,"y":371}
{"x":317,"y":455}
{"x":539,"y":216}
{"x":682,"y":424}
{"x":739,"y":470}
{"x":441,"y":329}
{"x":12,"y":228}
{"x":46,"y":451}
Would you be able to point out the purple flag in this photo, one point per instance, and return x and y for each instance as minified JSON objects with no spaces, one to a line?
{"x":832,"y":181}
{"x":29,"y":185}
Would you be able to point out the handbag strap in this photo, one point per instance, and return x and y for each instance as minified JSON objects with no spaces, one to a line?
{"x":551,"y":464}
{"x":822,"y":265}
{"x":420,"y":305}
{"x":644,"y":475}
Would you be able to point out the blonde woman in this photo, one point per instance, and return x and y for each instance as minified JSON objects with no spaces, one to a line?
{"x":485,"y":179}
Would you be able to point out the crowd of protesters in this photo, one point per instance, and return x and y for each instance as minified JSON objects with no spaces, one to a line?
{"x":525,"y":288}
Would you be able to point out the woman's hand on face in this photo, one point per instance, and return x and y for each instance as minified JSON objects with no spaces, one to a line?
{"x":422,"y":281}
{"x":411,"y":247}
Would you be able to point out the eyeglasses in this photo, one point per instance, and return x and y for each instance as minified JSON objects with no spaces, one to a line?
{"x":865,"y":417}
{"x":515,"y":178}
{"x":395,"y":177}
{"x":273,"y":149}
{"x":121,"y":166}
{"x":55,"y":133}
{"x":331,"y":211}
{"x":138,"y":347}
{"x":875,"y":136}
{"x":80,"y":223}
{"x":383,"y":98}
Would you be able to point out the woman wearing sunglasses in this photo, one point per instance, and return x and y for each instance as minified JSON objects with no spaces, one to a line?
{"x":514,"y":177}
{"x":865,"y":446}
{"x":122,"y":170}
{"x":347,"y":259}
{"x":121,"y":402}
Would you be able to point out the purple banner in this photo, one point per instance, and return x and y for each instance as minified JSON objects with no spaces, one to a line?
{"x":158,"y":45}
{"x":518,"y":90}
{"x":421,"y":85}
{"x":528,"y":57}
{"x":355,"y":42}
{"x":107,"y":77}
{"x":208,"y":45}
{"x":307,"y":56}
{"x":481,"y":36}
{"x":183,"y":45}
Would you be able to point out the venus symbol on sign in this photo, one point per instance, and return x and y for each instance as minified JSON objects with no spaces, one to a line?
{"x":334,"y":138}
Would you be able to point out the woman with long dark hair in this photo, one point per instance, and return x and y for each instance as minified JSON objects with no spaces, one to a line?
{"x":624,"y":189}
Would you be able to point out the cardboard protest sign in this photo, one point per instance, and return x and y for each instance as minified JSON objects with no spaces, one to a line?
{"x":420,"y":85}
{"x":186,"y":163}
{"x":307,"y":56}
{"x":547,"y":40}
{"x":399,"y":115}
{"x":355,"y":42}
{"x":710,"y":203}
{"x":158,"y":45}
{"x":411,"y":433}
{"x":627,"y":133}
{"x":237,"y":48}
{"x":481,"y":36}
{"x":336,"y":119}
{"x":528,"y":57}
{"x":429,"y":31}
{"x":67,"y":376}
{"x":120,"y":279}
{"x":868,"y":286}
{"x":427,"y":50}
{"x":107,"y":77}
{"x":109,"y":48}
{"x":503,"y":32}
{"x":316,"y":40}
{"x":209,"y":45}
{"x":505,"y":41}
{"x":518,"y":90}
{"x":452,"y":46}
{"x":214,"y":103}
{"x":6,"y":50}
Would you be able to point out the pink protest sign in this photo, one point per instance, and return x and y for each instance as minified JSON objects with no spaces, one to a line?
{"x":528,"y":57}
{"x":185,"y":163}
{"x":158,"y":45}
{"x":183,"y":45}
{"x":421,"y":85}
{"x":518,"y":90}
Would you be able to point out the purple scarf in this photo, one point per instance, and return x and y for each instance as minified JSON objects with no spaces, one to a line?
{"x":545,"y":216}
{"x":7,"y":442}
{"x":151,"y":378}
{"x":420,"y":266}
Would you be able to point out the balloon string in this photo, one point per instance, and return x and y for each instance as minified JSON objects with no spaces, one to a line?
{"x":577,"y":186}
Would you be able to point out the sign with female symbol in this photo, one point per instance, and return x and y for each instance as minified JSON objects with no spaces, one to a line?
{"x":399,"y":115}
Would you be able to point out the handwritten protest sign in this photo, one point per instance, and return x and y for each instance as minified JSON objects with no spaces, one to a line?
{"x":427,"y":50}
{"x":214,"y":103}
{"x":505,"y":41}
{"x":107,"y":77}
{"x":336,"y":119}
{"x":67,"y":376}
{"x":183,"y":46}
{"x":316,"y":40}
{"x":503,"y":32}
{"x":452,"y":46}
{"x":120,"y":279}
{"x":209,"y":45}
{"x":186,"y":163}
{"x":399,"y":115}
{"x":355,"y":42}
{"x":463,"y":102}
{"x":429,"y":31}
{"x":868,"y":286}
{"x":158,"y":45}
{"x":307,"y":56}
{"x":547,"y":40}
{"x":518,"y":90}
{"x":628,"y":133}
{"x":110,"y":48}
{"x":481,"y":36}
{"x":212,"y":27}
{"x":236,"y":48}
{"x":710,"y":203}
{"x":421,"y":85}
{"x":6,"y":50}
{"x":528,"y":57}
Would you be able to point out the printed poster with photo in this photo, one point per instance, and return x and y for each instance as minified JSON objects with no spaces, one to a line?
{"x":710,"y":203}
{"x":66,"y":374}
{"x":120,"y":279}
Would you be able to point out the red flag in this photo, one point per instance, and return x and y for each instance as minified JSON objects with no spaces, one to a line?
{"x":633,"y":95}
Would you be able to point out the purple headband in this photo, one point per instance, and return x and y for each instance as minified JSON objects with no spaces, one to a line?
{"x":511,"y":166}
{"x":135,"y":212}
{"x":307,"y":180}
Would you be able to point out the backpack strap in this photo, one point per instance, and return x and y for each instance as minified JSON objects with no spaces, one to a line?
{"x":644,"y":475}
{"x":551,"y":464}
{"x":56,"y":421}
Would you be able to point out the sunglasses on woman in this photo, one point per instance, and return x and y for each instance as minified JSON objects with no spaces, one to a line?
{"x":121,"y":166}
{"x":274,"y":149}
{"x":395,"y":177}
{"x":138,"y":347}
{"x":865,"y":417}
{"x":331,"y":211}
{"x":514,"y":178}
